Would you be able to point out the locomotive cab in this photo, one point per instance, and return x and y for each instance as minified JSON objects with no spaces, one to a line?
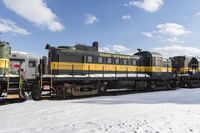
{"x":158,"y":68}
{"x":27,"y":62}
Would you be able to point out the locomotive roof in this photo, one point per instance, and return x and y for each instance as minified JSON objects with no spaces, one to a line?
{"x":23,"y":55}
{"x":2,"y":43}
{"x":188,"y":57}
{"x":148,"y":54}
{"x":94,"y":52}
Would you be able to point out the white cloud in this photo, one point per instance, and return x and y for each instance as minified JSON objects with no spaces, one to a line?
{"x":35,"y":11}
{"x":9,"y":26}
{"x":126,"y":17}
{"x":90,"y":19}
{"x":171,"y":31}
{"x":197,"y":14}
{"x":176,"y":50}
{"x":148,"y":34}
{"x":148,"y":5}
{"x":175,"y":39}
{"x":115,"y":48}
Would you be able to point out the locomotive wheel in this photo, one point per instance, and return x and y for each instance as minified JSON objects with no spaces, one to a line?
{"x":168,"y":86}
{"x":102,"y":90}
{"x":36,"y":92}
{"x":67,"y":93}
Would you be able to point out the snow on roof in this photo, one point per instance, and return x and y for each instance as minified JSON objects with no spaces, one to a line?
{"x":23,"y":54}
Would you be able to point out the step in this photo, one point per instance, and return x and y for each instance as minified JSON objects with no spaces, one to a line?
{"x":12,"y":96}
{"x":13,"y":82}
{"x":45,"y":96}
{"x":13,"y":89}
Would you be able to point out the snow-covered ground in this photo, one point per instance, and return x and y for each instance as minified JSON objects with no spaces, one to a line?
{"x":156,"y":112}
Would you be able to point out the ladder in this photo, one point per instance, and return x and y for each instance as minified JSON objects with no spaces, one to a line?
{"x":13,"y":90}
{"x":14,"y":85}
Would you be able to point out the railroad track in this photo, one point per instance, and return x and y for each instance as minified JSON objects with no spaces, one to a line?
{"x":4,"y":101}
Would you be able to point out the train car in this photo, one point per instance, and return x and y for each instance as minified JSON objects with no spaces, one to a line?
{"x":187,"y":70}
{"x":83,"y":70}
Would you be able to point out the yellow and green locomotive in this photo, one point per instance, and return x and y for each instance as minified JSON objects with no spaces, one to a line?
{"x":83,"y":70}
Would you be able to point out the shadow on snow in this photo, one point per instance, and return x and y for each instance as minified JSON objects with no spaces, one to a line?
{"x":180,"y":96}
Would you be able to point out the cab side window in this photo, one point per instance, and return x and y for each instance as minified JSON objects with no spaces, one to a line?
{"x":116,"y":61}
{"x":31,"y":64}
{"x":134,"y":62}
{"x":100,"y":60}
{"x":89,"y":59}
{"x":125,"y":61}
{"x":109,"y":60}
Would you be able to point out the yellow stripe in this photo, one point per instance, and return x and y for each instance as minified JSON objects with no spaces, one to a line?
{"x":105,"y":67}
{"x":4,"y":63}
{"x":186,"y":69}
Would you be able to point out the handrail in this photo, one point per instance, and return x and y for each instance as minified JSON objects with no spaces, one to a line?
{"x":41,"y":74}
{"x":7,"y":72}
{"x":20,"y":77}
{"x":72,"y":70}
{"x":126,"y":71}
{"x":103,"y":71}
{"x":88,"y":70}
{"x":115,"y":71}
{"x":51,"y":84}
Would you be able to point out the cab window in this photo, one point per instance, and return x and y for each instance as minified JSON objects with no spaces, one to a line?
{"x":31,"y":64}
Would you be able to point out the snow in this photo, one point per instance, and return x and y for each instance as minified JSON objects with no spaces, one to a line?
{"x":176,"y":111}
{"x":98,"y":75}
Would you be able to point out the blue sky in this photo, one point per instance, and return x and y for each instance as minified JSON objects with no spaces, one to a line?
{"x":171,"y":27}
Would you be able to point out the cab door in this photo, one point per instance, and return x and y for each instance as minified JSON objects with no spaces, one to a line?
{"x":15,"y":65}
{"x":31,"y":69}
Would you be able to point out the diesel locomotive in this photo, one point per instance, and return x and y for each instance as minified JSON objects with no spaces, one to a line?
{"x":83,"y":70}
